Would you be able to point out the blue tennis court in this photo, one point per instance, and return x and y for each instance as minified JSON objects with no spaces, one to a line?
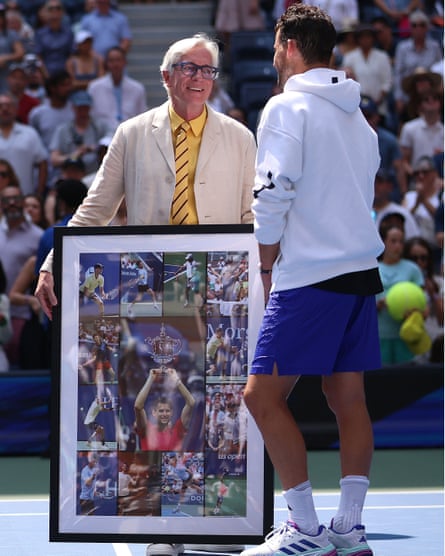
{"x":399,"y":523}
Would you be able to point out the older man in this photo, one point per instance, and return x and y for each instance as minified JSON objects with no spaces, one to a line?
{"x":140,"y":163}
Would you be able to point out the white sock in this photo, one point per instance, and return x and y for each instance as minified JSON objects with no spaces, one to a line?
{"x":300,"y":504}
{"x":353,"y":489}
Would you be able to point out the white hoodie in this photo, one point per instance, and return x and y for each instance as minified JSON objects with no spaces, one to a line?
{"x":314,"y":187}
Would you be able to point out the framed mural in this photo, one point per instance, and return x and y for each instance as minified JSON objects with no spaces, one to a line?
{"x":154,"y":332}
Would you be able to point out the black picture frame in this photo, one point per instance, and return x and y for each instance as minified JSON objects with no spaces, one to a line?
{"x":108,"y":341}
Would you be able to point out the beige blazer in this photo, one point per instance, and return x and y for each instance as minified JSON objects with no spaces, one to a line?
{"x":140,"y":165}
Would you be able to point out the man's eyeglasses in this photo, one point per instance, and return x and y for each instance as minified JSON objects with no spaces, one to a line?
{"x":190,"y":69}
{"x":418,"y":25}
{"x":422,"y":172}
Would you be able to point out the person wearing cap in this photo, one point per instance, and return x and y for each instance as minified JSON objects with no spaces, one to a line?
{"x":116,"y":96}
{"x":109,"y":27}
{"x":384,"y":207}
{"x":17,"y":81}
{"x":370,"y":66}
{"x":80,"y":137}
{"x":390,"y":154}
{"x":415,"y":85}
{"x":417,"y":50}
{"x":54,"y":41}
{"x":11,"y":49}
{"x":85,"y":64}
{"x":36,"y":77}
{"x":423,"y":201}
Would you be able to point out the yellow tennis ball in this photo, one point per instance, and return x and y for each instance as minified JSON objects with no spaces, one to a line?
{"x":404,"y":297}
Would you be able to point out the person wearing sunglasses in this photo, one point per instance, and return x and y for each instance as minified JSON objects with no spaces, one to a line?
{"x":424,"y":200}
{"x":419,"y":251}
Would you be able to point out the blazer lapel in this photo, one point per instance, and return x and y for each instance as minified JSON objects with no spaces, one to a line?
{"x":209,"y":140}
{"x":162,"y":134}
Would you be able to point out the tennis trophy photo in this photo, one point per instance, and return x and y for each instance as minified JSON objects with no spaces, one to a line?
{"x":163,"y":348}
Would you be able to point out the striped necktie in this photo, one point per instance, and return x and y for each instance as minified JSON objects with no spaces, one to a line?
{"x":180,"y":205}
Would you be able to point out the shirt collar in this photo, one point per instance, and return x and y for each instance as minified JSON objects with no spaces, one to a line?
{"x":196,"y":125}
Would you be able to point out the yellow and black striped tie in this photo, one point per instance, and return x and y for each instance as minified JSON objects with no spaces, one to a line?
{"x":180,"y":205}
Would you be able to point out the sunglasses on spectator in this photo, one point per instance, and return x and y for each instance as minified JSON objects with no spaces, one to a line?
{"x":12,"y":199}
{"x":51,"y":8}
{"x":422,"y":258}
{"x":426,"y":171}
{"x":418,"y":24}
{"x":428,"y":98}
{"x":189,"y":69}
{"x":4,"y":174}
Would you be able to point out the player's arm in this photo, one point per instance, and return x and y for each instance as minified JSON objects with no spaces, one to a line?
{"x":141,"y":398}
{"x":190,"y":401}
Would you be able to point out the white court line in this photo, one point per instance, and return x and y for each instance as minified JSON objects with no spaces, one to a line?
{"x":121,"y":549}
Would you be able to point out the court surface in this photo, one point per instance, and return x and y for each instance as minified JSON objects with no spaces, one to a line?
{"x":398,"y":522}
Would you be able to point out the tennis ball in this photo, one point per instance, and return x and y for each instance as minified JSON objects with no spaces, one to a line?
{"x":403,"y":297}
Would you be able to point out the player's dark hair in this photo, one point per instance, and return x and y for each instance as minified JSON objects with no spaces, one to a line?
{"x":312,"y":30}
{"x":164,"y":400}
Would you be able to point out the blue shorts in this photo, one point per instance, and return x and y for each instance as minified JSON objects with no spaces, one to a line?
{"x":309,"y":331}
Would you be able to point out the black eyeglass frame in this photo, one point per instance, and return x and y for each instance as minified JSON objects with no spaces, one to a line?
{"x":194,"y":68}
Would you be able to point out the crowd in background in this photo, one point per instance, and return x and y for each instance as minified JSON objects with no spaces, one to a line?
{"x":64,"y":89}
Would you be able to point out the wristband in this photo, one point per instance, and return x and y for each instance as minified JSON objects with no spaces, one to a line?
{"x":265,"y":270}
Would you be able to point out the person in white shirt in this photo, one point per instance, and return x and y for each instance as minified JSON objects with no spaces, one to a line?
{"x":116,"y":96}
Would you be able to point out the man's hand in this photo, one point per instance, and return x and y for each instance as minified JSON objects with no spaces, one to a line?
{"x":45,"y":293}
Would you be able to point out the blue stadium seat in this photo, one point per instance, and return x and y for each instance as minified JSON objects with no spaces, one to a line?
{"x":245,"y":71}
{"x":251,"y":45}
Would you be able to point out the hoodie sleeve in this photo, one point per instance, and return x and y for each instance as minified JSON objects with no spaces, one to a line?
{"x":278,"y":167}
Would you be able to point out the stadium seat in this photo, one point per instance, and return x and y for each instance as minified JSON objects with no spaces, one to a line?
{"x":251,"y":45}
{"x":245,"y":71}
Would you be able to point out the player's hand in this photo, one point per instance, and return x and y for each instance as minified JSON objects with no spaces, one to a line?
{"x":45,"y":293}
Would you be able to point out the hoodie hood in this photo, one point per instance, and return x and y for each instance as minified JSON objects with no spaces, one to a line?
{"x":332,"y":85}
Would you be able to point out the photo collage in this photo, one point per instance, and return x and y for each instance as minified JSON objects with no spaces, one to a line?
{"x":162,"y":365}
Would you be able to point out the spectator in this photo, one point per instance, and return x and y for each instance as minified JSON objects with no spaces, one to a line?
{"x":24,"y":31}
{"x":54,"y":41}
{"x":386,"y":40}
{"x":33,"y":207}
{"x":219,"y":99}
{"x":30,"y":9}
{"x":7,"y":175}
{"x":393,"y":269}
{"x":58,"y":110}
{"x":398,"y":13}
{"x":108,"y":26}
{"x":21,"y":145}
{"x":36,"y":77}
{"x":17,"y":81}
{"x":370,"y":67}
{"x":390,"y":154}
{"x":11,"y":49}
{"x":346,"y":42}
{"x":338,"y":10}
{"x":84,"y":64}
{"x":80,"y":137}
{"x":69,"y":194}
{"x":5,"y":321}
{"x":102,"y":149}
{"x":415,"y":86}
{"x":419,"y":251}
{"x":418,"y":50}
{"x":424,"y":201}
{"x":19,"y":239}
{"x":423,"y":136}
{"x":116,"y":96}
{"x":384,"y":207}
